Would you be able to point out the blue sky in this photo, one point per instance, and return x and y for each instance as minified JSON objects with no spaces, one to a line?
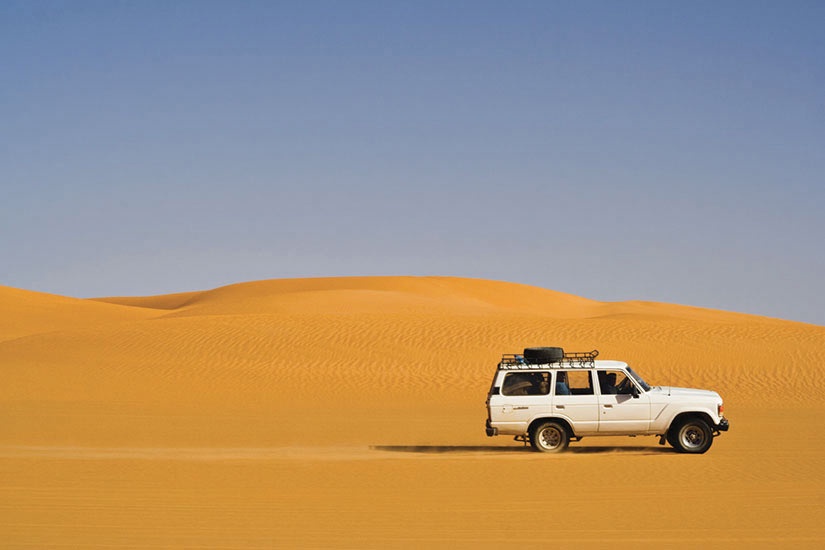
{"x":616,"y":150}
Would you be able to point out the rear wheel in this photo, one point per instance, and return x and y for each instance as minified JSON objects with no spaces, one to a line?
{"x":692,"y":436}
{"x":549,"y":437}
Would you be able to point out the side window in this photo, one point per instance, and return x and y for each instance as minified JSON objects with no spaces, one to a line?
{"x":614,"y":383}
{"x":573,"y":383}
{"x":526,"y":383}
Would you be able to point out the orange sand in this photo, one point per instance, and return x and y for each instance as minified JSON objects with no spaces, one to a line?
{"x":350,"y":413}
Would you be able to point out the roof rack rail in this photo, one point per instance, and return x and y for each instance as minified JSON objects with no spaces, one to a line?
{"x":578,"y":359}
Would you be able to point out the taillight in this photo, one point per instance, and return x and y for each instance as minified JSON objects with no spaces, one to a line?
{"x":720,"y":409}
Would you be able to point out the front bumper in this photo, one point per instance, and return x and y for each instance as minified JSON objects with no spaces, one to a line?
{"x":491,"y":431}
{"x":723,"y":425}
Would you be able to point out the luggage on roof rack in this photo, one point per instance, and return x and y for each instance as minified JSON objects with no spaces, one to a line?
{"x":579,"y":359}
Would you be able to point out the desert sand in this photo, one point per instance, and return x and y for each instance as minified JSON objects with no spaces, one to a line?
{"x":349,"y":413}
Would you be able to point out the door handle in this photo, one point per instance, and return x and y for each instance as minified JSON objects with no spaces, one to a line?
{"x":559,"y":406}
{"x":608,"y":406}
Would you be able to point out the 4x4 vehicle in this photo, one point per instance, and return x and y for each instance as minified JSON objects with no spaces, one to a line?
{"x":549,"y":397}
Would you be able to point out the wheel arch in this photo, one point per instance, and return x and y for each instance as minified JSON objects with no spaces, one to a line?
{"x":682,"y":416}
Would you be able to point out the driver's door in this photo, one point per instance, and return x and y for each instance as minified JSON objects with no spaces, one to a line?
{"x":623,"y":407}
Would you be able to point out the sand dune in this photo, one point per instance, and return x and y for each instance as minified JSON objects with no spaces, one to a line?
{"x":26,"y":312}
{"x":349,"y":412}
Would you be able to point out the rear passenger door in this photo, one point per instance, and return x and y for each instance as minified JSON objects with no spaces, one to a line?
{"x":581,"y":404}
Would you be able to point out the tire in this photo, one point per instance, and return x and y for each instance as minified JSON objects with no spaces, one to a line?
{"x":692,"y":436}
{"x":540,"y":356}
{"x":549,"y":437}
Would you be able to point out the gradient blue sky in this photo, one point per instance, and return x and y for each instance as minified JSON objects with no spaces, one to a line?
{"x":666,"y":151}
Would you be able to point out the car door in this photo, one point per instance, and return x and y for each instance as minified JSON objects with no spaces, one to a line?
{"x":623,"y":407}
{"x":575,"y":399}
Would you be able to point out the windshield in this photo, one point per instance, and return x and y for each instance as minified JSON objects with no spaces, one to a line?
{"x":638,"y":379}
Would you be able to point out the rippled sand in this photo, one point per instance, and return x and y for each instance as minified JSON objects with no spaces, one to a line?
{"x":350,"y":413}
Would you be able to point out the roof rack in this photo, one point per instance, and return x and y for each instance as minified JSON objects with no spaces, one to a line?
{"x":579,"y":359}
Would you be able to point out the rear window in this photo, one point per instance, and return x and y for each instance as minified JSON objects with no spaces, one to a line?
{"x":526,"y":383}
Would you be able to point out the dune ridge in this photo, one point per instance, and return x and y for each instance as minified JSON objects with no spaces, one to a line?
{"x":398,"y":332}
{"x":27,"y":312}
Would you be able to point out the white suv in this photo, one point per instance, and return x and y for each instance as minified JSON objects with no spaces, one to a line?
{"x":549,"y":397}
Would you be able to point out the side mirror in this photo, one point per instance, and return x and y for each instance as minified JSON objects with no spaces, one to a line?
{"x":634,"y":391}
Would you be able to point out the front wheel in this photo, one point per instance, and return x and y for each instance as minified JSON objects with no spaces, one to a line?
{"x":549,"y":437}
{"x":693,"y":436}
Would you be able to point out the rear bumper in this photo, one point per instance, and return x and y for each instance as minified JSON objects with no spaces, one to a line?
{"x":723,"y":425}
{"x":491,"y":431}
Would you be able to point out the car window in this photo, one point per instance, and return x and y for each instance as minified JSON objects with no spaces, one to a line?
{"x":573,"y":382}
{"x":526,"y":383}
{"x":645,"y":386}
{"x":614,"y":382}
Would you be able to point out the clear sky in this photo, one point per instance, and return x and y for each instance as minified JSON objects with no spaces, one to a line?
{"x":665,"y":151}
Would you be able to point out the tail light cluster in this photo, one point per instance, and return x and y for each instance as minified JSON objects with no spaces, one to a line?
{"x":720,"y":409}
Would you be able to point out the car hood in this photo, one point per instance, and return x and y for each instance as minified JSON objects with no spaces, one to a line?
{"x":685,"y":392}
